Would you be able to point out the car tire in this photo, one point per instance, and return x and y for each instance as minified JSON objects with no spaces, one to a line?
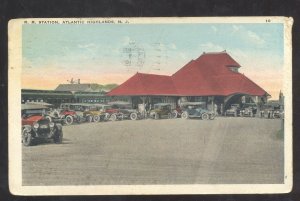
{"x":205,"y":116}
{"x":90,"y":118}
{"x":274,"y":116}
{"x":26,"y":138}
{"x":174,"y":114}
{"x":69,"y":120}
{"x":169,"y":115}
{"x":184,"y":115}
{"x":96,"y":118}
{"x":58,"y":137}
{"x":133,"y":116}
{"x":113,"y":117}
{"x":212,"y":116}
{"x":49,"y":118}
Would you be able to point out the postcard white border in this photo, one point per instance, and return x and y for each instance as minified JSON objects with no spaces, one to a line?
{"x":14,"y":128}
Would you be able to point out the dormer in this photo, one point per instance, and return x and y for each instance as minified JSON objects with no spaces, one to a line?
{"x":234,"y":68}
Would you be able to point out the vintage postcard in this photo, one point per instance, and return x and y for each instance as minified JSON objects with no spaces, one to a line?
{"x":103,"y":106}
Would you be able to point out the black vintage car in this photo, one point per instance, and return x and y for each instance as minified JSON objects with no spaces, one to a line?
{"x":196,"y":110}
{"x":234,"y":110}
{"x":272,"y":111}
{"x":36,"y":127}
{"x":248,"y":110}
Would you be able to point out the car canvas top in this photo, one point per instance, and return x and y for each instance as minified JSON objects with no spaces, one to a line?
{"x":193,"y":103}
{"x":32,"y":107}
{"x":162,"y":104}
{"x":119,"y":103}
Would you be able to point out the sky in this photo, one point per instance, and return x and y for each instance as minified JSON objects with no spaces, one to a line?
{"x":99,"y":53}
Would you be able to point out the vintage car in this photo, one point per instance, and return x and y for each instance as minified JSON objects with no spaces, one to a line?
{"x":248,"y":110}
{"x":272,"y":111}
{"x":126,"y":109}
{"x":233,"y":110}
{"x":196,"y":110}
{"x":93,"y":113}
{"x":36,"y":127}
{"x":177,"y":112}
{"x":161,"y":110}
{"x":67,"y":116}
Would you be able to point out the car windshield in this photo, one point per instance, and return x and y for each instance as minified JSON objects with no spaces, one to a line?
{"x":107,"y":107}
{"x":33,"y":112}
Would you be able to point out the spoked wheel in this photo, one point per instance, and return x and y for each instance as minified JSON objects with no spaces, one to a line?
{"x":49,"y":118}
{"x":133,"y":116}
{"x":69,"y":120}
{"x":205,"y":116}
{"x":174,"y":114}
{"x":90,"y":118}
{"x":212,"y":116}
{"x":184,"y":115}
{"x":26,"y":138}
{"x":113,"y":117}
{"x":96,"y":118}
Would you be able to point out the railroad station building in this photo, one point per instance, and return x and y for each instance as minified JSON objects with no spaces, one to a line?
{"x":213,"y":78}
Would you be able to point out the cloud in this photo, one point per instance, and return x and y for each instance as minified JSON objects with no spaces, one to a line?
{"x":254,"y":38}
{"x":173,"y":46}
{"x":210,"y":47}
{"x":247,"y":35}
{"x":214,"y":29}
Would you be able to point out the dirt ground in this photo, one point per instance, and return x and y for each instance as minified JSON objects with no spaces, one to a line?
{"x":176,"y":151}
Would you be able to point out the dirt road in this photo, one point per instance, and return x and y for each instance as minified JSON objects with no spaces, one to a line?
{"x":226,"y":150}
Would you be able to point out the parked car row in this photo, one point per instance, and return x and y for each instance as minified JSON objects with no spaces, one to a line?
{"x":271,"y":111}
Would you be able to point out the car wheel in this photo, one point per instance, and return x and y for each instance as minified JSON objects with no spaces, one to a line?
{"x":69,"y":120}
{"x":26,"y":138}
{"x":205,"y":116}
{"x":133,"y":116}
{"x":212,"y":116}
{"x":96,"y":118}
{"x":121,"y":116}
{"x":49,"y":118}
{"x":169,"y":115}
{"x":184,"y":115}
{"x":58,"y":137}
{"x":156,"y":116}
{"x":274,"y":116}
{"x":113,"y":117}
{"x":174,"y":114}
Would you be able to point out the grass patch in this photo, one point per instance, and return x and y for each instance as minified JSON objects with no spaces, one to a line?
{"x":280,"y":134}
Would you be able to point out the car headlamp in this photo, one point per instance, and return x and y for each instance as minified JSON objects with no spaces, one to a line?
{"x":36,"y":125}
{"x":51,"y":124}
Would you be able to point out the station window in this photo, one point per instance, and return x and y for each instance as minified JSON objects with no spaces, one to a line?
{"x":234,"y":69}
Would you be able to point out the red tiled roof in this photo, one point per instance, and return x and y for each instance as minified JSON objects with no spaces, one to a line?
{"x":145,"y":84}
{"x":206,"y":76}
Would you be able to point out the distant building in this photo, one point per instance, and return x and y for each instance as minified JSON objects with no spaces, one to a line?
{"x":78,"y":87}
{"x":66,"y":93}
